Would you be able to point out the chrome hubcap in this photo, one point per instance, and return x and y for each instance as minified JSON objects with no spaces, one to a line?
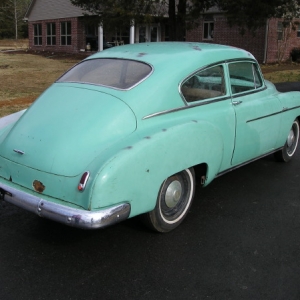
{"x":173,"y":193}
{"x":291,"y":138}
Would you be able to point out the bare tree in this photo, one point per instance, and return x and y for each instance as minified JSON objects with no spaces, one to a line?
{"x":288,"y":12}
{"x":12,"y":13}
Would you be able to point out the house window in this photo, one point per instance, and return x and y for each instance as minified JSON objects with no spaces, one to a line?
{"x":65,"y":33}
{"x":51,"y":34}
{"x":208,"y":27}
{"x":37,"y":34}
{"x":279,"y":31}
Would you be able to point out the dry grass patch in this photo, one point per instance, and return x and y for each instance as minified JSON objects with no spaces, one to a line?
{"x":12,"y":44}
{"x":289,"y":72}
{"x":23,"y":77}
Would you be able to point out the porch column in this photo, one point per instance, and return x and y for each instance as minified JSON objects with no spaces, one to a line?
{"x":100,"y":37}
{"x":132,"y":28}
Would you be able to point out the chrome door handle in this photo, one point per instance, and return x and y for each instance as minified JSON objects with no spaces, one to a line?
{"x":237,"y":102}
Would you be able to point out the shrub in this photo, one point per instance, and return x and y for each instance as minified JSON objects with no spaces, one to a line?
{"x":295,"y":54}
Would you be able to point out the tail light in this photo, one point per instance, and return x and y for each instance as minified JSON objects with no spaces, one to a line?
{"x":82,"y":183}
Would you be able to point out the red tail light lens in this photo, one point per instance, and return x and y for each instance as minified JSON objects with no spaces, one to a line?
{"x":82,"y":183}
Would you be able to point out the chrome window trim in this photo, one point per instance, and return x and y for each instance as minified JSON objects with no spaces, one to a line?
{"x":228,"y":95}
{"x":261,"y":88}
{"x":195,"y":72}
{"x":108,"y":86}
{"x":241,"y":94}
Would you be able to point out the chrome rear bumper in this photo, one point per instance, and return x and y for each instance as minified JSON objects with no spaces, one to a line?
{"x":67,"y":215}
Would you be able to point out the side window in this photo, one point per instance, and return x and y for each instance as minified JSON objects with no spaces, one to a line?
{"x":244,"y":76}
{"x":205,"y":84}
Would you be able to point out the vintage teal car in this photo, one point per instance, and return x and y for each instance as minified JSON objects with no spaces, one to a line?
{"x":124,"y":132}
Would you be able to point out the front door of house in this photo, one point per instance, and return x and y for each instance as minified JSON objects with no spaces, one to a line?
{"x":148,"y":33}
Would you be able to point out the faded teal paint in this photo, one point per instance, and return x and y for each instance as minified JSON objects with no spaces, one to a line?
{"x":66,"y":128}
{"x":73,"y":128}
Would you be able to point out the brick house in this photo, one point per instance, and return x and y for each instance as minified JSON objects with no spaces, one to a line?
{"x":213,"y":28}
{"x":57,"y":25}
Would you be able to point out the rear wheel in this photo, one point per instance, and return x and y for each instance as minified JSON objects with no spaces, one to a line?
{"x":174,"y":200}
{"x":290,"y":146}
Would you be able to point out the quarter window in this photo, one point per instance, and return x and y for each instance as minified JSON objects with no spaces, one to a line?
{"x":51,"y":34}
{"x":65,"y":33}
{"x":244,"y":76}
{"x":37,"y":34}
{"x":298,"y":31}
{"x":206,"y":84}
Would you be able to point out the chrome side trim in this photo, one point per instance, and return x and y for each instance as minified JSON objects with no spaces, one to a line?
{"x":247,"y":162}
{"x":284,"y":109}
{"x":79,"y":218}
{"x":199,"y":103}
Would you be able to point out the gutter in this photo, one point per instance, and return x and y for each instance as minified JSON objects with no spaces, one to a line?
{"x":266,"y":42}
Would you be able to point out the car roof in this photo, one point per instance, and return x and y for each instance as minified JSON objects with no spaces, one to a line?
{"x":157,"y":53}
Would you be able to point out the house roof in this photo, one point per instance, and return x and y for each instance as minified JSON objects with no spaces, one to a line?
{"x":52,"y":9}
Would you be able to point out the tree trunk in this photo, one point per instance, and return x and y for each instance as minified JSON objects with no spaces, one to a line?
{"x":181,"y":16}
{"x":172,"y":20}
{"x":16,"y":18}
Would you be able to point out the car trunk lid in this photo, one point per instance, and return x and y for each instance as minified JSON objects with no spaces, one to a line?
{"x":66,"y":128}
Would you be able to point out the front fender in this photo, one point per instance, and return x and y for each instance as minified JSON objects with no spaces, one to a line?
{"x":136,"y":172}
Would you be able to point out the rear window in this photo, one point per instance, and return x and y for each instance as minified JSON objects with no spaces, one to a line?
{"x":115,"y":73}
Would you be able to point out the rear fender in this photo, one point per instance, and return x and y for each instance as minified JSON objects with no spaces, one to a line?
{"x":7,"y":120}
{"x":136,"y":172}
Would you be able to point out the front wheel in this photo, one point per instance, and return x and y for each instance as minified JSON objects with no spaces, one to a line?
{"x":290,"y":146}
{"x":174,"y":200}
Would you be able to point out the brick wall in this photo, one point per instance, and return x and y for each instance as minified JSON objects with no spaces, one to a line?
{"x":273,"y":43}
{"x":77,"y":39}
{"x":264,"y":49}
{"x":226,"y":35}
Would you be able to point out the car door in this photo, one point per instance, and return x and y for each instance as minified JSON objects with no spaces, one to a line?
{"x":206,"y":91}
{"x":257,"y":112}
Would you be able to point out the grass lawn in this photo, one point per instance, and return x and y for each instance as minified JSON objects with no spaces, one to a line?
{"x":24,"y":76}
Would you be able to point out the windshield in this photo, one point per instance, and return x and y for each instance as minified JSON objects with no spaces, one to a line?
{"x":116,"y":73}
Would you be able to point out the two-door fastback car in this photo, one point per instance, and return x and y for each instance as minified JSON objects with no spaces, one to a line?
{"x":121,"y":133}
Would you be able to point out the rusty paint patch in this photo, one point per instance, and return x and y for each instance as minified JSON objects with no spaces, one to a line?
{"x":129,"y":147}
{"x":197,"y":48}
{"x":142,"y":54}
{"x":38,"y":186}
{"x":147,"y":137}
{"x":164,"y":129}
